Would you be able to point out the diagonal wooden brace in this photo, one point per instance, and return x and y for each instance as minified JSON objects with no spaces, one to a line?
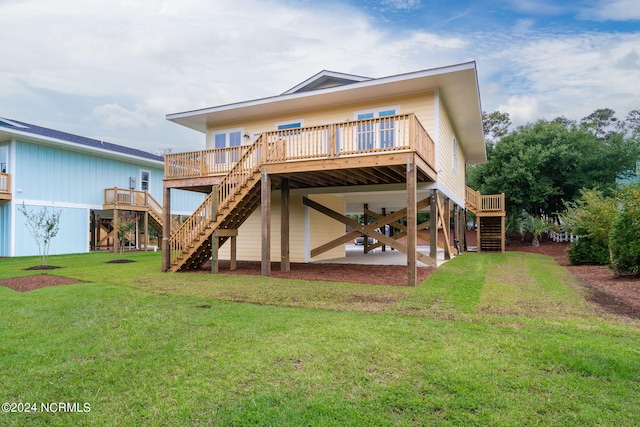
{"x":367,"y":230}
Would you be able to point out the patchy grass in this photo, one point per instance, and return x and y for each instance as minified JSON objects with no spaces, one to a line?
{"x":478,"y":343}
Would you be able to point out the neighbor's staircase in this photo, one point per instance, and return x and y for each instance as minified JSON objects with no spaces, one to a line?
{"x":490,"y":214}
{"x":227,"y":207}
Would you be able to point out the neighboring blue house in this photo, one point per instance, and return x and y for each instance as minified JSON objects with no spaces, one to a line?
{"x":89,"y":181}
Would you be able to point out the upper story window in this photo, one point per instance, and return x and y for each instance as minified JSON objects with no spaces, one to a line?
{"x":227,"y":139}
{"x":3,"y":160}
{"x":289,"y":125}
{"x":376,"y":134}
{"x":145,"y":178}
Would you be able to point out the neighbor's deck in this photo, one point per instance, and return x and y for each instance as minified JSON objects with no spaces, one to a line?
{"x":5,"y":186}
{"x":363,"y":152}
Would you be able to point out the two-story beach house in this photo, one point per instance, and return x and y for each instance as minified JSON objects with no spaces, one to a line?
{"x":285,"y":175}
{"x":92,"y":183}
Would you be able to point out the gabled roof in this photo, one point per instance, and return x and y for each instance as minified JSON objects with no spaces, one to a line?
{"x":457,"y":86}
{"x":325,"y":79}
{"x":13,"y":128}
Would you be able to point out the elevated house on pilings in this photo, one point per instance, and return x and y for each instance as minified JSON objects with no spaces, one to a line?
{"x":283,"y":174}
{"x":92,"y":183}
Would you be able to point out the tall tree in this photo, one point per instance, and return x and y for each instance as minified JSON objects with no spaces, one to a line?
{"x":495,"y":125}
{"x":541,"y":165}
{"x":601,"y":122}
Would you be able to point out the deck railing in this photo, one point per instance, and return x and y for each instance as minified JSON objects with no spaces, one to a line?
{"x":5,"y":183}
{"x":488,"y":203}
{"x":126,"y":198}
{"x":356,"y":138}
{"x":237,"y":177}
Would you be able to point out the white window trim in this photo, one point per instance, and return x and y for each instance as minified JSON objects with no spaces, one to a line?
{"x":376,"y":111}
{"x":376,"y":114}
{"x":290,"y":122}
{"x":211,"y":144}
{"x":140,"y":180}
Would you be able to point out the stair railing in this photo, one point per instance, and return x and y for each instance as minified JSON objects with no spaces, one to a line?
{"x":196,"y":225}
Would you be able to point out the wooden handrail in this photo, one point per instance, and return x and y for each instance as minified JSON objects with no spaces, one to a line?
{"x":5,"y":183}
{"x":207,"y":212}
{"x":360,"y":137}
{"x":488,"y":203}
{"x":121,"y":197}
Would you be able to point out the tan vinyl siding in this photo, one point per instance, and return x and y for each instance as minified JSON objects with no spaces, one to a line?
{"x":452,"y":180}
{"x":323,"y":229}
{"x":420,"y":104}
{"x":249,"y":244}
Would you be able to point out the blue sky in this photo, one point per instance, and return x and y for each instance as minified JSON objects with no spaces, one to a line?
{"x":112,"y":69}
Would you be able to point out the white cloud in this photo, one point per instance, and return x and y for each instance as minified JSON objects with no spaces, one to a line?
{"x":612,"y":10}
{"x":166,"y":56}
{"x":570,"y":75}
{"x":521,"y":109}
{"x":115,"y":117}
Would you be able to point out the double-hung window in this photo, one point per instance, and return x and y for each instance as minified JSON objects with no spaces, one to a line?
{"x":227,"y":139}
{"x":373,"y":134}
{"x":3,"y":160}
{"x":145,"y":178}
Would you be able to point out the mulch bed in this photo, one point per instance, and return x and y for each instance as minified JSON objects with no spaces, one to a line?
{"x":393,"y":275}
{"x":30,"y":283}
{"x":619,"y":295}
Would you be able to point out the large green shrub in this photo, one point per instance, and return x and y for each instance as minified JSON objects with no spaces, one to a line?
{"x":590,"y":218}
{"x":589,"y":251}
{"x":625,"y":234}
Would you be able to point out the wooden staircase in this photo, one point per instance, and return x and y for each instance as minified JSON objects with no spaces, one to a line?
{"x":228,"y":206}
{"x":137,"y":201}
{"x":490,"y":215}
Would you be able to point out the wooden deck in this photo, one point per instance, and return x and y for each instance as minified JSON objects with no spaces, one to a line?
{"x":238,"y":180}
{"x":490,"y":224}
{"x":5,"y":186}
{"x":362,"y":152}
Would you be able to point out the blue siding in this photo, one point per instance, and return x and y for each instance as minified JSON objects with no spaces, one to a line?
{"x":5,"y":228}
{"x":73,"y":182}
{"x":52,"y":174}
{"x":73,"y":236}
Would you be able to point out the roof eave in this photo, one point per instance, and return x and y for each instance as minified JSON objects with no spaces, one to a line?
{"x":30,"y":137}
{"x":458,"y":86}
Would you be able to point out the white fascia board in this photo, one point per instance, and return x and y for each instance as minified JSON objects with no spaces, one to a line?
{"x":197,"y":119}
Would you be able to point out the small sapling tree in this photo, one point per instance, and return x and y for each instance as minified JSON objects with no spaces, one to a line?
{"x":126,"y":225}
{"x":43,"y":226}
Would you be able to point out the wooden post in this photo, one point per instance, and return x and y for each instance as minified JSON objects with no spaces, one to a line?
{"x":166,"y":229}
{"x":384,"y":229}
{"x":365,"y":242}
{"x":234,"y":253}
{"x":412,"y":221}
{"x":215,"y":245}
{"x":116,"y":242}
{"x":92,"y":235}
{"x":265,"y":200}
{"x":285,"y":264}
{"x":446,"y":227}
{"x":146,"y":231}
{"x":478,"y":233}
{"x":433,"y":226}
{"x":502,"y":232}
{"x":215,"y":241}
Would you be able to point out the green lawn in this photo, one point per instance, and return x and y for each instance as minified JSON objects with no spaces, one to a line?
{"x":489,"y":339}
